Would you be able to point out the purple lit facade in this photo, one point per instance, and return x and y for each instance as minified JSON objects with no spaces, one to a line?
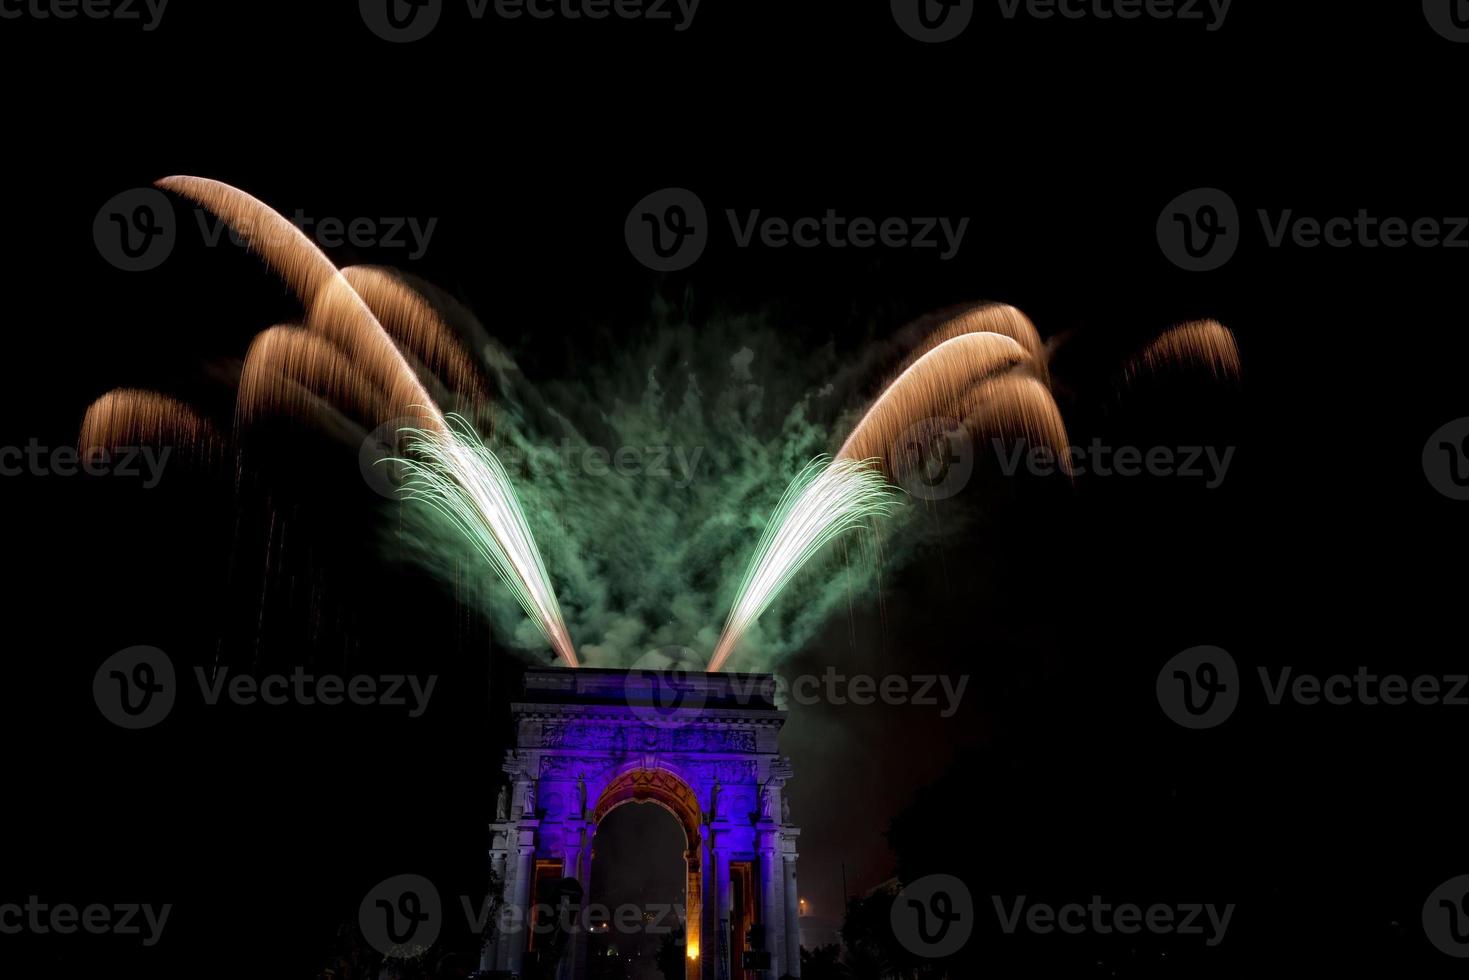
{"x":703,"y":746}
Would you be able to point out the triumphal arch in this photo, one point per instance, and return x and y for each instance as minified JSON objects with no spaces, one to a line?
{"x":702,"y":746}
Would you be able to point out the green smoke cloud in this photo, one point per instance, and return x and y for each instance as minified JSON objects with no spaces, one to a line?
{"x":648,"y":480}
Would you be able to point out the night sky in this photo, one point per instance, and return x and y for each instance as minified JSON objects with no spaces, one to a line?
{"x":1325,"y":549}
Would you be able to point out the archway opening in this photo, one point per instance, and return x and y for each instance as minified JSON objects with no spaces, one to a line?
{"x":639,"y":875}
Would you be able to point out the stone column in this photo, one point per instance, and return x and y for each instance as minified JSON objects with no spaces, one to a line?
{"x":722,"y":893}
{"x":520,"y":923}
{"x":770,"y":913}
{"x":709,"y":921}
{"x":693,"y":910}
{"x":499,"y":836}
{"x":793,"y":917}
{"x":571,"y":867}
{"x":584,"y":875}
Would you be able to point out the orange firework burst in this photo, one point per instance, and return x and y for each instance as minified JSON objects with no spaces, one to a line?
{"x":982,"y":372}
{"x":345,"y":358}
{"x":1203,"y":343}
{"x":132,"y":417}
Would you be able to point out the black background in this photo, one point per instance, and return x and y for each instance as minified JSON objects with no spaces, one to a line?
{"x":1326,"y":549}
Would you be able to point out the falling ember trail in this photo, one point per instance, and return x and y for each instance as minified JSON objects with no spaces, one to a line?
{"x":935,"y":385}
{"x":458,"y":476}
{"x":827,"y":498}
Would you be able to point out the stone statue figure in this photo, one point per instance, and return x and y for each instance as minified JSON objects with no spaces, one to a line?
{"x":764,"y":803}
{"x":785,"y":808}
{"x":714,"y":801}
{"x":502,"y":803}
{"x":530,"y":798}
{"x":581,"y":795}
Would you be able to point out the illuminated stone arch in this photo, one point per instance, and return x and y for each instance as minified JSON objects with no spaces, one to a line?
{"x":665,"y":788}
{"x":589,"y":741}
{"x":662,"y":787}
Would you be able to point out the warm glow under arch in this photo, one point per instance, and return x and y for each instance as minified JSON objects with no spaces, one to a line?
{"x":666,"y":789}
